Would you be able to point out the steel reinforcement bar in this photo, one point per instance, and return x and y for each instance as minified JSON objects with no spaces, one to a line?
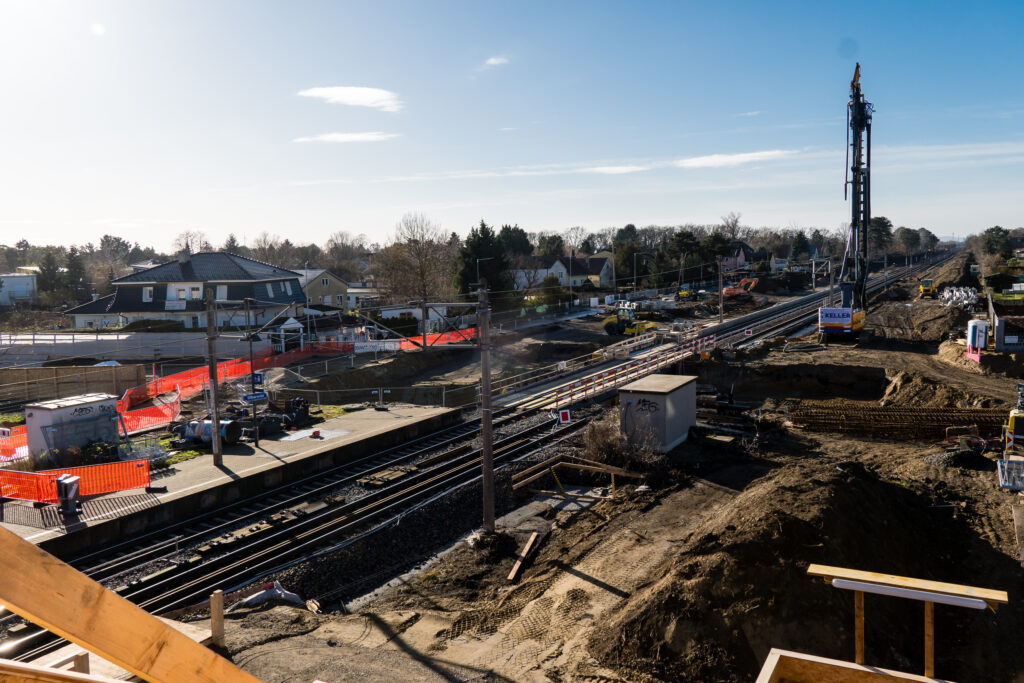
{"x":902,"y":422}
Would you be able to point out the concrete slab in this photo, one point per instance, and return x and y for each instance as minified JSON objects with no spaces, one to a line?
{"x":197,"y":485}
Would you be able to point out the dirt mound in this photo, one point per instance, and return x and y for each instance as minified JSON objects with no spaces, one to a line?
{"x":956,"y":272}
{"x":738,"y":586}
{"x":906,"y":389}
{"x":1009,"y":364}
{"x":922,"y":321}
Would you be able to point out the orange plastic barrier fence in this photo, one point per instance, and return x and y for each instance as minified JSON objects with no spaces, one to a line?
{"x":441,"y":338}
{"x":153,"y":416}
{"x":93,"y":480}
{"x":9,"y":445}
{"x":20,"y":485}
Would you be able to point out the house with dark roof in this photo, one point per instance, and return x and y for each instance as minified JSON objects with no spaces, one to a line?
{"x":740,"y":255}
{"x":175,"y":291}
{"x":594,"y":269}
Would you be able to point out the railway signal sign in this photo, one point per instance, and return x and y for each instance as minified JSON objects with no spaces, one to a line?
{"x":563,"y":416}
{"x":257,"y":379}
{"x":257,"y":396}
{"x":748,"y":332}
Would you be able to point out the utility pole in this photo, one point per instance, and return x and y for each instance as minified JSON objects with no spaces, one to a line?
{"x":572,"y":257}
{"x":423,"y":309}
{"x":487,"y":449}
{"x":252,"y":376}
{"x":721,"y":293}
{"x":814,"y":274}
{"x":211,"y":352}
{"x":615,"y":283}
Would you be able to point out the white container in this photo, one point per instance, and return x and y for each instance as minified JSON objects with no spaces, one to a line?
{"x":73,"y":421}
{"x":659,"y":409}
{"x":977,"y":334}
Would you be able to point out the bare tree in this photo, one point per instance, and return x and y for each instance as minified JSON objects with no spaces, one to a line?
{"x":574,"y":236}
{"x":192,"y":242}
{"x":420,"y":263}
{"x":731,"y":224}
{"x":265,"y":246}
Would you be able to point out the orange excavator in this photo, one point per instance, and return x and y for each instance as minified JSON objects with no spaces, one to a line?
{"x":745,"y":286}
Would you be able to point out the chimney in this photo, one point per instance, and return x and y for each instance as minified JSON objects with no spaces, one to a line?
{"x":184,"y":256}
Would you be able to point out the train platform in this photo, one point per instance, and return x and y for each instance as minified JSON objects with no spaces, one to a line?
{"x":197,"y":485}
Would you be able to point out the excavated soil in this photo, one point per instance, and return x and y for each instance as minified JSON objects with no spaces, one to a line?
{"x":923,"y":320}
{"x":956,"y":272}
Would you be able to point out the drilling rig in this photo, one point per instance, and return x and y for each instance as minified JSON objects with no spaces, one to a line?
{"x":848,"y":318}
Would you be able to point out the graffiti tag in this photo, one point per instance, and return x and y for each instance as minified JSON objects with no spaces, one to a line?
{"x":645,"y":405}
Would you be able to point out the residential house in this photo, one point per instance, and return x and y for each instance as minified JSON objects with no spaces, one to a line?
{"x":175,"y":291}
{"x":360,"y":296}
{"x":532,"y":271}
{"x":323,"y":287}
{"x":18,"y":288}
{"x":780,"y":258}
{"x":593,"y":269}
{"x":740,"y":255}
{"x":94,"y":315}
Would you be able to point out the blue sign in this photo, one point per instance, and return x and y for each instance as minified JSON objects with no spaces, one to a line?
{"x":258,"y":396}
{"x":257,"y":378}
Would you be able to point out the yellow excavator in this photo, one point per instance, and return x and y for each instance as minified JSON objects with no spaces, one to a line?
{"x":928,"y":289}
{"x":625,"y":322}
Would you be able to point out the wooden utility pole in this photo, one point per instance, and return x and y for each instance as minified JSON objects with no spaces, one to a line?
{"x":425,"y":313}
{"x":211,"y":359}
{"x":830,"y":280}
{"x":487,"y":448}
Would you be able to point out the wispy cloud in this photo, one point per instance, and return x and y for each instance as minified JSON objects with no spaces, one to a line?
{"x":614,"y":170}
{"x":355,"y":96}
{"x":507,"y":128}
{"x":98,"y":29}
{"x":750,"y":113}
{"x":724,"y":160}
{"x":496,"y":61}
{"x":375,"y":136}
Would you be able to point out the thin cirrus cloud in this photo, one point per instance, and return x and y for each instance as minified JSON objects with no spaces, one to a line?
{"x":375,"y":136}
{"x":750,"y":113}
{"x":356,"y":96}
{"x":726,"y":160}
{"x":496,"y":61}
{"x":614,"y":170}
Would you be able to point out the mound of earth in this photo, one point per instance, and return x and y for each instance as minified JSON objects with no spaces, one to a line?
{"x":738,"y":585}
{"x":921,"y":321}
{"x":1009,"y":364}
{"x":956,"y":272}
{"x":907,"y":389}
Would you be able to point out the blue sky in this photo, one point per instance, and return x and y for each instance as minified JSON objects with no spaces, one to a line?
{"x":143,"y":119}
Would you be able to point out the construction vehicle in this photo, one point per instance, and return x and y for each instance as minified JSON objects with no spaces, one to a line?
{"x":1013,"y":430}
{"x":745,"y":286}
{"x":624,"y":321}
{"x":928,"y":289}
{"x":848,"y":318}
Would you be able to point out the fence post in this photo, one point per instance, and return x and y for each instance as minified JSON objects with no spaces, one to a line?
{"x":442,"y":395}
{"x":217,"y":618}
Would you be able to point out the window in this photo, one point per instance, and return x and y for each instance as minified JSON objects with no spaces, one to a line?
{"x":321,"y":299}
{"x":288,"y":288}
{"x":270,"y":290}
{"x":196,"y":293}
{"x":325,"y":281}
{"x":147,"y":293}
{"x":181,"y":294}
{"x":327,"y":298}
{"x":222,"y":291}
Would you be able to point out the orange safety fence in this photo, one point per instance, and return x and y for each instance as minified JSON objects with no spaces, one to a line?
{"x":152,"y":416}
{"x":438,"y":339}
{"x":94,"y":480}
{"x":11,"y":445}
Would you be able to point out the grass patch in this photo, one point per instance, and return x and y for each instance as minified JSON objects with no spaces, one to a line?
{"x":12,"y":419}
{"x":330,"y":411}
{"x":179,"y":456}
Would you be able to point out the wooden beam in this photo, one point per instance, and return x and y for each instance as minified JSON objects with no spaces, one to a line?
{"x":929,"y":639}
{"x":21,"y":672}
{"x":858,"y":618}
{"x":581,"y":496}
{"x":993,"y":597}
{"x":797,"y":667}
{"x":50,"y":593}
{"x":522,"y":556}
{"x":217,"y":618}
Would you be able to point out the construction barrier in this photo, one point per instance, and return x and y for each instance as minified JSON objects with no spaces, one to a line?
{"x":94,"y":480}
{"x":153,"y":416}
{"x":16,"y":445}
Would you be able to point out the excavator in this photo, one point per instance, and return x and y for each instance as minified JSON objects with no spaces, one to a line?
{"x":848,"y":318}
{"x":624,"y":321}
{"x":928,"y":289}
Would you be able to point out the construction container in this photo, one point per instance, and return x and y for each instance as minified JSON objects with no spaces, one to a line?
{"x":74,"y":421}
{"x":658,"y":410}
{"x":977,"y":333}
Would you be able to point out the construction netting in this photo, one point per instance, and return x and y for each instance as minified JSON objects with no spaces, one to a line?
{"x":93,"y":480}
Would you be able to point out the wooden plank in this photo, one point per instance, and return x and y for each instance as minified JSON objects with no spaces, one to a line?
{"x":519,"y":476}
{"x":19,"y":672}
{"x":929,"y":639}
{"x":858,"y":611}
{"x":522,"y":556}
{"x":217,"y":618}
{"x":556,"y":494}
{"x":797,"y":667}
{"x":50,"y":593}
{"x":988,"y":595}
{"x":529,"y":480}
